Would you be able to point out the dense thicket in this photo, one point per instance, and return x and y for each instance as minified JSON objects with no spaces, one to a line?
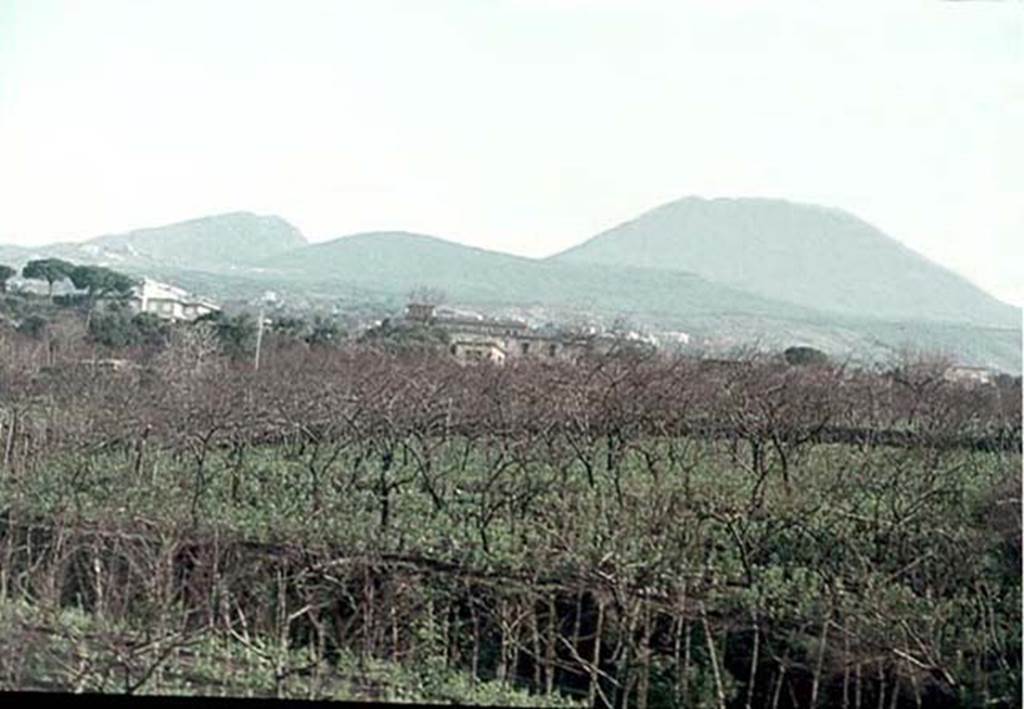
{"x":624,"y":531}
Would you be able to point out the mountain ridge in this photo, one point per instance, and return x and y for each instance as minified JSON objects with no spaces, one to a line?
{"x":220,"y":241}
{"x":251,"y":238}
{"x":643,"y":269}
{"x":480,"y":275}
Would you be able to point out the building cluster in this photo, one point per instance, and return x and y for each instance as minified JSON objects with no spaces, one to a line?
{"x":497,"y":341}
{"x":480,"y":339}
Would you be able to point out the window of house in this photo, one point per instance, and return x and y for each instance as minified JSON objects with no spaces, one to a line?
{"x":526,"y":347}
{"x":551,"y":350}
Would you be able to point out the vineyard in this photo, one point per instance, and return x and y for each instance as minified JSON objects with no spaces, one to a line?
{"x":629,"y":531}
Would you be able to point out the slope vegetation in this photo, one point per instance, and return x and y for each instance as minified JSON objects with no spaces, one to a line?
{"x":806,"y":255}
{"x":396,"y":262}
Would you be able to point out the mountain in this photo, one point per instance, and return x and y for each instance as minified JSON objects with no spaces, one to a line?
{"x":385,"y":266}
{"x":396,"y":262}
{"x":223,"y":241}
{"x":807,"y":255}
{"x":727,"y":272}
{"x":13,"y":254}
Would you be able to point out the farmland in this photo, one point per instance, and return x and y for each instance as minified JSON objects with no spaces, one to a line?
{"x":628,"y":531}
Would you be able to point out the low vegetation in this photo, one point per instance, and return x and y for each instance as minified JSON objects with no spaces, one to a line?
{"x":373,"y":522}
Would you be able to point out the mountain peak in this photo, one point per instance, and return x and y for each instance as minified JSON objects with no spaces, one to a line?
{"x":805,"y":254}
{"x":218,"y":241}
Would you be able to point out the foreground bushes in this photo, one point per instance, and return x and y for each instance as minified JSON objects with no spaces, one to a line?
{"x":626,"y":531}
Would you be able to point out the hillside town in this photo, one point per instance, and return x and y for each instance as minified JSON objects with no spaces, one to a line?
{"x":468,"y":337}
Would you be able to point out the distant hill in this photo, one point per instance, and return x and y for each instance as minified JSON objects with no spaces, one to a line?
{"x":396,"y":262}
{"x":729,"y":272}
{"x":10,"y":255}
{"x":222,"y":241}
{"x":813,"y":256}
{"x":385,"y":266}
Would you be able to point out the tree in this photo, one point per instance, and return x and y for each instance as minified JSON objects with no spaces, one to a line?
{"x":99,"y":281}
{"x":236,"y":334}
{"x":152,"y":330}
{"x":290,"y":327}
{"x":50,"y":270}
{"x":34,"y":326}
{"x":6,"y":272}
{"x":118,"y":328}
{"x":396,"y":337}
{"x":427,"y":295}
{"x":804,"y":355}
{"x":189,"y":350}
{"x":324,"y":332}
{"x":112,"y":329}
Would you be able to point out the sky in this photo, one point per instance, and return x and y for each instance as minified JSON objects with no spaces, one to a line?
{"x":523,"y":126}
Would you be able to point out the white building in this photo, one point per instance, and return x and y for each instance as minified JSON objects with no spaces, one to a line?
{"x":168,"y":302}
{"x":478,"y":350}
{"x":961,"y":374}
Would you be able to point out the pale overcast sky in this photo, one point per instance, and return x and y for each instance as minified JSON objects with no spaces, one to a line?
{"x":524,"y":126}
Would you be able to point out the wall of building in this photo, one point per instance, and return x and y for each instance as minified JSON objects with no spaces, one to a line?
{"x":511,"y":338}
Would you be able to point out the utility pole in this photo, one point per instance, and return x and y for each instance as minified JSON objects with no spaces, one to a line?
{"x":267,"y":297}
{"x":259,"y":339}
